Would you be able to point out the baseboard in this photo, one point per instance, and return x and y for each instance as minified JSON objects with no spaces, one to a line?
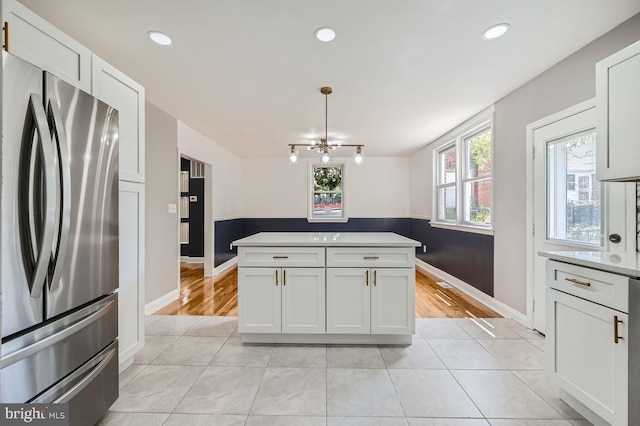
{"x":490,"y":302}
{"x":161,"y":302}
{"x":225,"y":267}
{"x":188,"y":259}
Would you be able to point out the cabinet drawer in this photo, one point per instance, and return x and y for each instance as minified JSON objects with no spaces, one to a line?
{"x":370,"y":257}
{"x":601,"y":287}
{"x":281,"y":256}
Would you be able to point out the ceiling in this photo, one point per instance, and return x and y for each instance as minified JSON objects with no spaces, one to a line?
{"x":247,"y":73}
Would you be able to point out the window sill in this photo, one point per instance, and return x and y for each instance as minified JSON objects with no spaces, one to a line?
{"x":327,"y":220}
{"x":464,"y":228}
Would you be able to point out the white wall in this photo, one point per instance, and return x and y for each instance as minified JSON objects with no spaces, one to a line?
{"x":226,"y":171}
{"x":567,"y":83}
{"x":271,"y":188}
{"x":421,"y":183}
{"x":161,"y":176}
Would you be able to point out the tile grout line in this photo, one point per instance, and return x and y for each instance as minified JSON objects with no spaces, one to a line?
{"x":204,"y":368}
{"x":253,"y":401}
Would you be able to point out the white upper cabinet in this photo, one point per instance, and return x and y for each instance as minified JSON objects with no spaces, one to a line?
{"x":127,"y":96}
{"x":618,"y":122}
{"x":35,"y":40}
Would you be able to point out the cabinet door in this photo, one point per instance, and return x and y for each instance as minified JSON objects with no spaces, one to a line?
{"x":618,"y":128}
{"x":131,"y":261}
{"x":303,"y":297}
{"x":259,"y":300}
{"x":348,"y":301}
{"x":37,"y":41}
{"x":583,"y":357}
{"x":393,"y":293}
{"x":127,"y":96}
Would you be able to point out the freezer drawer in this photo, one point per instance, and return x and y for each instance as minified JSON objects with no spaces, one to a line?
{"x":33,"y":362}
{"x":89,"y":391}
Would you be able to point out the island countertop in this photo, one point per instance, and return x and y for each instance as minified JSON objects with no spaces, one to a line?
{"x":326,"y":239}
{"x":605,"y":261}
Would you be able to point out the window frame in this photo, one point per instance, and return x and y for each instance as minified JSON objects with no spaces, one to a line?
{"x":458,"y":138}
{"x":311,"y":192}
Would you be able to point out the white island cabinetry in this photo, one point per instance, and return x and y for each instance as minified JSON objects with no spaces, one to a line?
{"x":326,"y":288}
{"x":371,"y":290}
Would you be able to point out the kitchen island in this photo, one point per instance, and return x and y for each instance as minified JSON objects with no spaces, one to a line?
{"x":309,"y":287}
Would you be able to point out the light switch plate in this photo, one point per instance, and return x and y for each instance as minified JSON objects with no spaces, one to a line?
{"x":173,"y":208}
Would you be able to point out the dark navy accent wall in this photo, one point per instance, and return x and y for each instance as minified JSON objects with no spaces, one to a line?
{"x":226,"y":232}
{"x":397,"y":225}
{"x":465,"y":255}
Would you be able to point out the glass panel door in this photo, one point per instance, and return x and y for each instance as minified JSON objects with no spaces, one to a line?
{"x":574,"y":212}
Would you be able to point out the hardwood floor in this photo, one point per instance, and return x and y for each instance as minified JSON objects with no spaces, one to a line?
{"x":219,"y":296}
{"x":204,"y":296}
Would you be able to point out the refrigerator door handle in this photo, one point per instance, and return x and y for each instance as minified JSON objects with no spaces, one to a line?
{"x":43,"y":252}
{"x":103,"y":308}
{"x":63,"y":188}
{"x":103,"y":361}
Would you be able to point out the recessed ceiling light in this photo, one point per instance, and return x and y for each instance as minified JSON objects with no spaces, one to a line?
{"x":325,"y":34}
{"x":160,"y":38}
{"x":495,"y":31}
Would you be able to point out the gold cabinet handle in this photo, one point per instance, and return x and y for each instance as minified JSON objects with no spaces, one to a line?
{"x":375,"y":278}
{"x":366,"y":277}
{"x":280,"y":257}
{"x":276,"y":277}
{"x":573,"y":280}
{"x":616,"y":336}
{"x":284,"y":277}
{"x":371,"y":257}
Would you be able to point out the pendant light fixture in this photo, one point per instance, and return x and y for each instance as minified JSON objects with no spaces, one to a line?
{"x":324,"y":146}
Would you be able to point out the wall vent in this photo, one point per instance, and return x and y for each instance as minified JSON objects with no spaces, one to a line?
{"x":197,"y":170}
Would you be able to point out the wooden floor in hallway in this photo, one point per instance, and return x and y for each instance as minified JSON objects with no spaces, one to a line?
{"x":200,"y":295}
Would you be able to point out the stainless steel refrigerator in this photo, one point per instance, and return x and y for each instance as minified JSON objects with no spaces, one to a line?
{"x":59,"y":244}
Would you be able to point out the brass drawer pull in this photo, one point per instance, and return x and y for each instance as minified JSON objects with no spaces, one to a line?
{"x":276,"y":277}
{"x":366,"y":277}
{"x":280,"y":257}
{"x":371,"y":257}
{"x":616,"y":336}
{"x":284,"y":277}
{"x":573,"y":280}
{"x":375,"y":278}
{"x":6,"y":36}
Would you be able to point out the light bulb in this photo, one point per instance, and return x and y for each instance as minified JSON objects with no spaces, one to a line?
{"x":293,"y":156}
{"x":160,"y":38}
{"x":325,"y":158}
{"x":358,"y":157}
{"x":495,"y":31}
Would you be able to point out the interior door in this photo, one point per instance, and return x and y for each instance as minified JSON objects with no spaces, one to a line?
{"x":573,"y":210}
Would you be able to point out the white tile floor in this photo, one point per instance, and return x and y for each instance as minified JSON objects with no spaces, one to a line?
{"x":458,"y":372}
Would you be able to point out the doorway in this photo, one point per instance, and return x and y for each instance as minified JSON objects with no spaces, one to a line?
{"x":569,"y":208}
{"x":192,"y":211}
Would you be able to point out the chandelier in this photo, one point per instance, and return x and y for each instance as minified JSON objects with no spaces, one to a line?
{"x":324,"y":145}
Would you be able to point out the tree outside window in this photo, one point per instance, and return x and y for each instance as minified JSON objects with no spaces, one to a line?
{"x":327,"y":197}
{"x":464,"y":178}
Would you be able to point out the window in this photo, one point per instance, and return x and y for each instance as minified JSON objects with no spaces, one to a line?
{"x":327,"y":193}
{"x":573,"y":214}
{"x":463,"y":179}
